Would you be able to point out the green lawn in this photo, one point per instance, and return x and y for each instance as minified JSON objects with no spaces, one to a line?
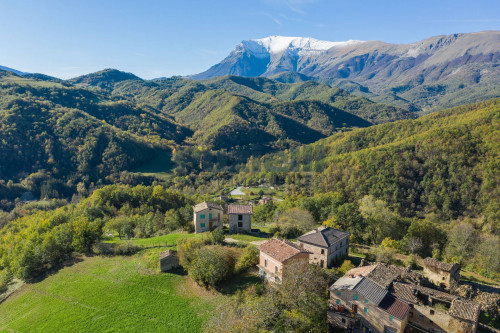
{"x":107,"y":294}
{"x":165,"y":240}
{"x":245,"y":238}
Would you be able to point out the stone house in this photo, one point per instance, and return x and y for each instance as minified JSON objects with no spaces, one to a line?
{"x":207,"y":216}
{"x":436,"y":311}
{"x":240,"y":218}
{"x":327,"y":245}
{"x":264,"y":200}
{"x":168,"y":260}
{"x":442,"y":274}
{"x":276,"y":255}
{"x":430,"y":310}
{"x":357,"y":302}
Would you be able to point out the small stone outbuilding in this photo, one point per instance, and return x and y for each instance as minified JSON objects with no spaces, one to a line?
{"x":168,"y":260}
{"x":442,"y":274}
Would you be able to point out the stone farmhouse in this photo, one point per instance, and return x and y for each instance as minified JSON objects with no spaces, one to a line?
{"x":276,"y":255}
{"x":442,"y":274}
{"x":207,"y":216}
{"x":327,"y":245}
{"x":436,"y":311}
{"x":384,"y":298}
{"x":240,"y":218}
{"x":168,"y":260}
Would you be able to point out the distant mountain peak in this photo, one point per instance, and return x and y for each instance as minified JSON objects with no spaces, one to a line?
{"x":279,"y":44}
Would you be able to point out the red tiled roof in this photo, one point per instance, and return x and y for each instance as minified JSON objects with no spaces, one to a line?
{"x":395,"y":307}
{"x":206,"y":205}
{"x":281,"y":249}
{"x":240,"y":209}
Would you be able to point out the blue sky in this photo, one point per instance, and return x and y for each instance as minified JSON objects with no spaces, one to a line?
{"x":153,"y":38}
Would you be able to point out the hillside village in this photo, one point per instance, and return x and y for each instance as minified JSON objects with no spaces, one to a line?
{"x":373,"y":297}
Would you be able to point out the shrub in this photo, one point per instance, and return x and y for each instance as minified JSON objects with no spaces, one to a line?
{"x":217,"y":237}
{"x":385,"y":255}
{"x":249,"y":258}
{"x":187,"y":249}
{"x":103,"y":248}
{"x":127,"y":248}
{"x":411,"y":261}
{"x":5,"y":279}
{"x":212,"y":265}
{"x":346,"y":265}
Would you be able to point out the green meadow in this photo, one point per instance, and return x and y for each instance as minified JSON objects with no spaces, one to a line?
{"x":109,"y":294}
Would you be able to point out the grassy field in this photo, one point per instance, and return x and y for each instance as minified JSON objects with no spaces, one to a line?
{"x":109,"y":294}
{"x":246,"y":238}
{"x":169,"y":240}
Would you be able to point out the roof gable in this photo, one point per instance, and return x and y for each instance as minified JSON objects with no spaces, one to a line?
{"x":281,"y":249}
{"x":323,"y":237}
{"x":240,"y":209}
{"x":206,"y":205}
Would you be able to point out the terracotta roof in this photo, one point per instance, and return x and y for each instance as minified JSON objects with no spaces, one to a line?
{"x":281,"y":249}
{"x":324,"y":237}
{"x":431,"y":262}
{"x":360,"y":271}
{"x":384,"y":275}
{"x":465,"y":309}
{"x":379,"y":273}
{"x":168,"y":253}
{"x":395,"y":307}
{"x":409,"y":291}
{"x":370,"y":290}
{"x":240,"y":209}
{"x":459,"y":308}
{"x":206,"y":205}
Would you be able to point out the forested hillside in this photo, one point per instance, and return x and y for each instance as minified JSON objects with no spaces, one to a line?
{"x":59,"y":135}
{"x":445,"y":164}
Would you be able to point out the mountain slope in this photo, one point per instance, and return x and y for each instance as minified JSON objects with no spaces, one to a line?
{"x":432,"y":73}
{"x":446,"y":163}
{"x":59,"y":135}
{"x":267,"y":90}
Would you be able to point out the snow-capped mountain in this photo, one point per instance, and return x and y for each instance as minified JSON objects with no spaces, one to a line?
{"x":447,"y":69}
{"x":270,"y":55}
{"x":275,"y":45}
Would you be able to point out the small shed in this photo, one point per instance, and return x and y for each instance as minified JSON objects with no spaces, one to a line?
{"x":442,"y":274}
{"x":168,"y":260}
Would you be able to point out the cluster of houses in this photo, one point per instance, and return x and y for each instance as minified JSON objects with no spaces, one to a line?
{"x":209,"y":216}
{"x":374,"y":298}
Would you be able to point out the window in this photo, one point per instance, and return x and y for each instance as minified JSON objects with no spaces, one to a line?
{"x":202,"y":216}
{"x":265,"y":262}
{"x":202,"y":225}
{"x":322,"y":251}
{"x":391,"y":318}
{"x":366,"y":301}
{"x":338,"y":302}
{"x":240,"y":224}
{"x":432,"y":312}
{"x":240,"y":217}
{"x":276,"y":269}
{"x":210,"y":216}
{"x":365,"y":310}
{"x":355,"y":297}
{"x":339,"y":293}
{"x":443,"y":278}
